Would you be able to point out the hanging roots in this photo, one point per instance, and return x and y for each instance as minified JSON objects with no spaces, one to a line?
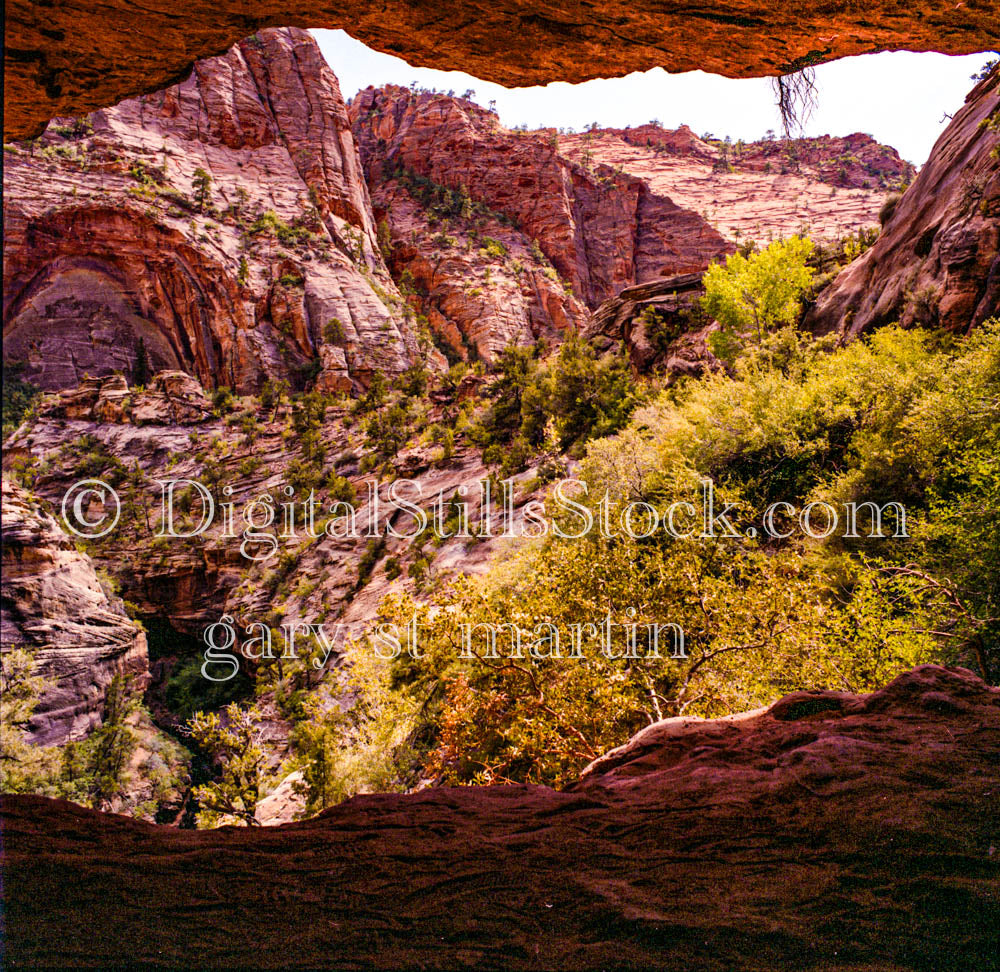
{"x":796,"y":96}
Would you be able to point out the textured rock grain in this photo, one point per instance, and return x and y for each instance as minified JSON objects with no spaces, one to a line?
{"x":70,"y":57}
{"x":830,"y":831}
{"x":54,"y":605}
{"x":108,"y":238}
{"x":937,"y":262}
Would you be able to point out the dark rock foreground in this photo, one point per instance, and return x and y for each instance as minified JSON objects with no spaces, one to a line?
{"x":829,"y":831}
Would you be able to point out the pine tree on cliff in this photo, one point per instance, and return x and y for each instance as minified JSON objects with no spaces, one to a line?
{"x":202,"y":188}
{"x":140,"y":370}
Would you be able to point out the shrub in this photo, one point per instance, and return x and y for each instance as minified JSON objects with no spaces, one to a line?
{"x":333,"y":331}
{"x":18,"y":396}
{"x":581,"y":394}
{"x":493,"y":249}
{"x":887,"y":418}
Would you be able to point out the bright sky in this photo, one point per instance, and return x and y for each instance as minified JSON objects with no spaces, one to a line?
{"x":899,"y":98}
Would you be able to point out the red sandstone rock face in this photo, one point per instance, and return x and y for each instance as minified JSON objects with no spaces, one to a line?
{"x":70,"y":57}
{"x":602,"y":230}
{"x":937,"y":262}
{"x":477,"y":280}
{"x":106,"y":240}
{"x":826,"y":187}
{"x":172,"y":398}
{"x":828,"y":831}
{"x":54,"y":605}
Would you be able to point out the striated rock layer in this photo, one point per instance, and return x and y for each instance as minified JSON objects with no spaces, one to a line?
{"x":480,"y":282}
{"x":937,"y":262}
{"x":69,"y":57}
{"x":602,"y":230}
{"x":54,"y":605}
{"x":224,"y":223}
{"x":825,"y":187}
{"x":831,"y":830}
{"x":661,"y":325}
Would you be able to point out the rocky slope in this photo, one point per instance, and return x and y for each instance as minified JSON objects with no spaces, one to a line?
{"x":55,"y":606}
{"x":829,"y":831}
{"x":105,"y":429}
{"x":827,"y":187}
{"x":937,"y":262}
{"x":79,"y":57}
{"x":225,"y":222}
{"x":478,"y":281}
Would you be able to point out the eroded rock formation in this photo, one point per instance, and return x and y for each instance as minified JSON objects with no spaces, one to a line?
{"x":660,"y":323}
{"x":224,"y":223}
{"x":602,"y":230}
{"x":825,"y":187}
{"x":55,"y":605}
{"x":224,"y":226}
{"x":830,"y":830}
{"x":937,"y":262}
{"x":173,"y":398}
{"x":478,"y":280}
{"x":69,"y":57}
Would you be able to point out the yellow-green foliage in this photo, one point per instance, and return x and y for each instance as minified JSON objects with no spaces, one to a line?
{"x":363,"y":748}
{"x":890,"y":418}
{"x":235,"y":741}
{"x":752,"y":295}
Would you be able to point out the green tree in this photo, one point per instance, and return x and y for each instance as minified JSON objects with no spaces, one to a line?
{"x":111,"y":746}
{"x":234,"y":740}
{"x":753,"y":295}
{"x":361,"y":746}
{"x":272,"y":393}
{"x":18,"y":396}
{"x":377,"y":393}
{"x":24,"y":768}
{"x":202,"y":183}
{"x":308,"y":413}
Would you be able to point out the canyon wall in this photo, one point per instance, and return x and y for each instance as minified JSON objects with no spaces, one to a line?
{"x":937,"y":262}
{"x":55,"y":606}
{"x":225,"y":222}
{"x":245,"y":226}
{"x":602,"y":230}
{"x":824,"y":187}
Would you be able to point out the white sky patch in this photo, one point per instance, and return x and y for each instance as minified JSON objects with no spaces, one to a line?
{"x":899,"y":98}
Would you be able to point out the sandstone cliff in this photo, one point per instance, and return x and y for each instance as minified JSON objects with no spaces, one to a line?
{"x":825,"y":187}
{"x":55,"y":605}
{"x":79,"y":56}
{"x":225,"y":222}
{"x":828,"y":831}
{"x":937,"y":262}
{"x":479,"y":282}
{"x":601,"y":230}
